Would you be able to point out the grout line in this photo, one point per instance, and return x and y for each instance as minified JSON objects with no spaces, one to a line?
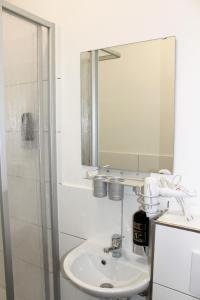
{"x":29,"y":263}
{"x":71,"y":185}
{"x":10,"y":131}
{"x":72,"y":235}
{"x":24,"y":83}
{"x":19,"y":131}
{"x":178,"y":291}
{"x":37,"y":180}
{"x":16,"y":219}
{"x":127,"y":192}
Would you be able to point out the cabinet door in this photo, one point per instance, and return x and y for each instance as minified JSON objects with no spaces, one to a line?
{"x":174,"y":258}
{"x":163,"y":293}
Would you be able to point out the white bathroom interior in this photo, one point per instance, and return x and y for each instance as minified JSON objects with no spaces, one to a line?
{"x":99,"y":150}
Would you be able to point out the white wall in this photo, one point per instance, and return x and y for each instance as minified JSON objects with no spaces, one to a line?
{"x":90,"y":24}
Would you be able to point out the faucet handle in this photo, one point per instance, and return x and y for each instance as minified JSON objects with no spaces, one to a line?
{"x":116,"y":236}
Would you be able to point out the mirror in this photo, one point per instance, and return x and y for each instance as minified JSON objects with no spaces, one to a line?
{"x":127,"y":100}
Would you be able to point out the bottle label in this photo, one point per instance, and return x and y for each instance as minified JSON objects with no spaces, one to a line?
{"x":140,"y":234}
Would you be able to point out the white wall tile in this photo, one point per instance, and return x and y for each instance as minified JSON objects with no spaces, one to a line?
{"x":22,"y":44}
{"x":68,"y":242}
{"x":24,"y":199}
{"x":28,"y":281}
{"x":22,"y":159}
{"x":20,"y":99}
{"x":85,"y":216}
{"x":26,"y":242}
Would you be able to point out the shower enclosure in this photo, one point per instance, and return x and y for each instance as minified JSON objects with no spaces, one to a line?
{"x":29,"y":256}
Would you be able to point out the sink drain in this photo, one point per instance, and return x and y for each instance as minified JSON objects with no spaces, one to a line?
{"x":106,"y":285}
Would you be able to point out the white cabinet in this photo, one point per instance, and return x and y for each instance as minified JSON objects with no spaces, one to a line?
{"x":176,"y":264}
{"x":163,"y":293}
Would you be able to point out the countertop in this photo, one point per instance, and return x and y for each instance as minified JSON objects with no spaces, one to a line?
{"x":177,"y":220}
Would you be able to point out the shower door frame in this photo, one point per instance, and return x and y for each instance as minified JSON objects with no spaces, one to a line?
{"x":4,"y":205}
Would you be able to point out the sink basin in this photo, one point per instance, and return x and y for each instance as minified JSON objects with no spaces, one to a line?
{"x":101,"y":275}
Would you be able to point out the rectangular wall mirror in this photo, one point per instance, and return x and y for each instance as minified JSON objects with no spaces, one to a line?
{"x":127,"y":100}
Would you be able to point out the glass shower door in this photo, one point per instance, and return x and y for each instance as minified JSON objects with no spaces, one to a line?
{"x":27,"y":140}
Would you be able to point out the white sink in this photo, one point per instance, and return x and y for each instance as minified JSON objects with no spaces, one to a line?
{"x":95,"y":272}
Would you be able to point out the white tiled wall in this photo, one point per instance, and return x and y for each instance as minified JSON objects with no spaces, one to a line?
{"x":85,"y":216}
{"x":82,"y":215}
{"x":22,"y":206}
{"x":68,"y":242}
{"x":28,"y":281}
{"x":26,"y":242}
{"x":16,"y":70}
{"x":21,"y":96}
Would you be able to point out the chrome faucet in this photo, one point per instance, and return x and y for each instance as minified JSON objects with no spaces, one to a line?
{"x":116,"y":245}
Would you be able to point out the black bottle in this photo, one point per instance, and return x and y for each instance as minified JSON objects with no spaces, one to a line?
{"x":141,"y":229}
